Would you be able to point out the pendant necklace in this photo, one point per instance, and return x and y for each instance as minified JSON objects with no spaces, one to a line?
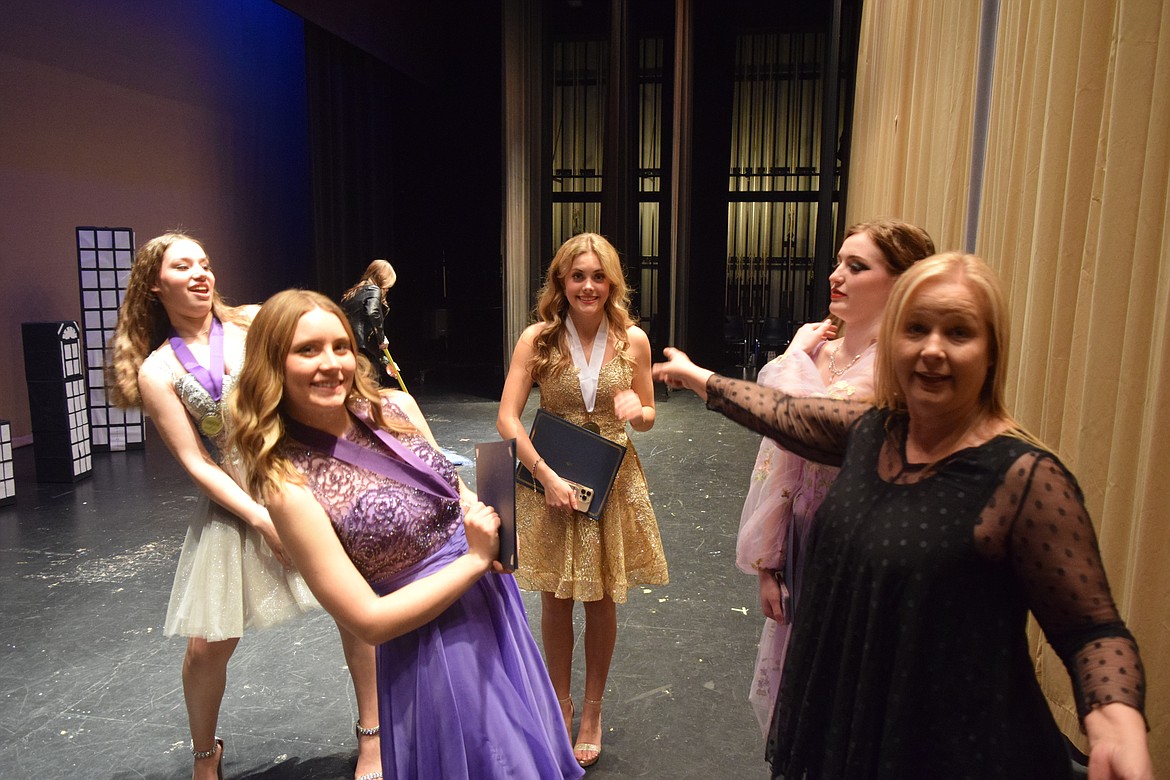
{"x":837,"y":372}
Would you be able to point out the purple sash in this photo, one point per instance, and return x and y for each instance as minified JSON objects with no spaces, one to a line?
{"x":407,"y":468}
{"x":212,"y":380}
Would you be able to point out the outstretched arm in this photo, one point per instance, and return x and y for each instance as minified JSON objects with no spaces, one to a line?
{"x":812,"y":428}
{"x":679,"y":372}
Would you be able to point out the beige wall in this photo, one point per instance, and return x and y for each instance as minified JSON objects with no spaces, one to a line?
{"x":149,"y":116}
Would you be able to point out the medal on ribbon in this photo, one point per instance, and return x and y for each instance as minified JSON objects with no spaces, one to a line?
{"x":210,"y":378}
{"x":211,"y":424}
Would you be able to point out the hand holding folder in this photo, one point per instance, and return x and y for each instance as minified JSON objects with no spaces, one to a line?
{"x":577,"y":455}
{"x":496,"y":487}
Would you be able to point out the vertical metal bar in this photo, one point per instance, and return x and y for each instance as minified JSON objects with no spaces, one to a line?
{"x":988,"y":24}
{"x":824,"y":236}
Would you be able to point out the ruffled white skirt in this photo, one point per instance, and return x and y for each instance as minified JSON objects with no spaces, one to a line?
{"x":229,"y":580}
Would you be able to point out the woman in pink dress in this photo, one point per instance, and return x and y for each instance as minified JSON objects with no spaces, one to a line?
{"x":832,"y":358}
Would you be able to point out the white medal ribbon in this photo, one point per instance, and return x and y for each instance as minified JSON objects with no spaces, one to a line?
{"x":588,"y":370}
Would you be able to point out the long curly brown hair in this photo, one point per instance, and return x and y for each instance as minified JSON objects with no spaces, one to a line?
{"x":256,"y":405}
{"x":143,"y":323}
{"x":552,"y":306}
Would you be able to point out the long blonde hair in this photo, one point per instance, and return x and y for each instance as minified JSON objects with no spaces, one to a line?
{"x":256,"y":405}
{"x":552,"y":306}
{"x":143,"y":323}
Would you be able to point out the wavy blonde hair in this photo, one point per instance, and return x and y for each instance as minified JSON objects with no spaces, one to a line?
{"x":378,"y":273}
{"x":258,"y":426}
{"x":552,"y":306}
{"x":143,"y":323}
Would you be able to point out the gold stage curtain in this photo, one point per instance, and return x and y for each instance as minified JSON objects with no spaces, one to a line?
{"x":913,"y":111}
{"x":1075,"y":215}
{"x":1075,"y":212}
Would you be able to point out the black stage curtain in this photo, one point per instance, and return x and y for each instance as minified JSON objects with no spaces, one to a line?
{"x":351,"y":105}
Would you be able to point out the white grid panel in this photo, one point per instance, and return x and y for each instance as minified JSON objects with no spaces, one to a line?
{"x":7,"y":477}
{"x":78,"y":409}
{"x":104,"y":257}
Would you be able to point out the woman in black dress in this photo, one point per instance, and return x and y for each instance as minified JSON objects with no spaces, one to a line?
{"x":366,"y":309}
{"x":947,"y":525}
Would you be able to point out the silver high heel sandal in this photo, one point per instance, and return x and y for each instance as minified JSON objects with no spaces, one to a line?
{"x":360,"y":731}
{"x":200,"y":755}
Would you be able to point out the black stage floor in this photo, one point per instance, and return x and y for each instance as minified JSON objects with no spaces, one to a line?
{"x":91,"y":687}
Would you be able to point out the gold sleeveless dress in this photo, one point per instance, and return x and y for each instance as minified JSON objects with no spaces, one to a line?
{"x":568,"y":553}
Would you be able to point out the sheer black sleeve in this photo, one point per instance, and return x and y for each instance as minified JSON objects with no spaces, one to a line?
{"x":813,"y":428}
{"x":1053,"y":549}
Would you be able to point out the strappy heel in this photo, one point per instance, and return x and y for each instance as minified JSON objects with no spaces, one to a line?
{"x":361,"y":731}
{"x":589,"y":747}
{"x":569,"y":717}
{"x":201,"y":755}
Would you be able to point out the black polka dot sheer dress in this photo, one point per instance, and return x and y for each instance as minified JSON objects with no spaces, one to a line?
{"x":909,"y":657}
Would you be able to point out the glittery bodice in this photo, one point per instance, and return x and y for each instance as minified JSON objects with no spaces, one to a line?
{"x":384,"y":526}
{"x":563,"y":397}
{"x":199,"y":402}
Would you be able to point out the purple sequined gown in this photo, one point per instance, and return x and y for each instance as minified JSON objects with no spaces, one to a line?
{"x":467,"y":695}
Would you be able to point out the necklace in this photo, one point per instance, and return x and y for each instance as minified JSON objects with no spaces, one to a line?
{"x":837,"y":372}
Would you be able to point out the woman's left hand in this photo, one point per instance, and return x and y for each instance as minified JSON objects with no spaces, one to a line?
{"x":481,"y":524}
{"x":811,"y":334}
{"x":628,"y":406}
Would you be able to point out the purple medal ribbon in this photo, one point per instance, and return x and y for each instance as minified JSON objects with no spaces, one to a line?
{"x":407,"y":468}
{"x":212,"y":381}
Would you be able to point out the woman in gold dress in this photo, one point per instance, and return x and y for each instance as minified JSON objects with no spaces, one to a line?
{"x":592,"y":364}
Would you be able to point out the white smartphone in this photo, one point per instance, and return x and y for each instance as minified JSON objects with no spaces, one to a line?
{"x":582,"y":495}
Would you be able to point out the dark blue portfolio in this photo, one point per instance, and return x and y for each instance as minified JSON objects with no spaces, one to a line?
{"x":576,"y":454}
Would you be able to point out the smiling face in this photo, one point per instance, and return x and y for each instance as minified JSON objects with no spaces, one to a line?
{"x":586,"y":286}
{"x":941,"y":350}
{"x":185,"y":284}
{"x":319,"y":368}
{"x":861,"y":282}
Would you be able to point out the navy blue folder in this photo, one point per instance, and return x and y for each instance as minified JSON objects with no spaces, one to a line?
{"x":576,"y":454}
{"x":496,"y":487}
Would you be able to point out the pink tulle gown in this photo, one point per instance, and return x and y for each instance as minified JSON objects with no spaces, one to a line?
{"x":783,"y":496}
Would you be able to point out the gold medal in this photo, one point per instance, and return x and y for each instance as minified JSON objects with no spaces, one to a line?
{"x":211,"y":424}
{"x":592,"y":426}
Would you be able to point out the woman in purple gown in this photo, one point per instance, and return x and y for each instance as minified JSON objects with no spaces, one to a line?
{"x":397,"y":550}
